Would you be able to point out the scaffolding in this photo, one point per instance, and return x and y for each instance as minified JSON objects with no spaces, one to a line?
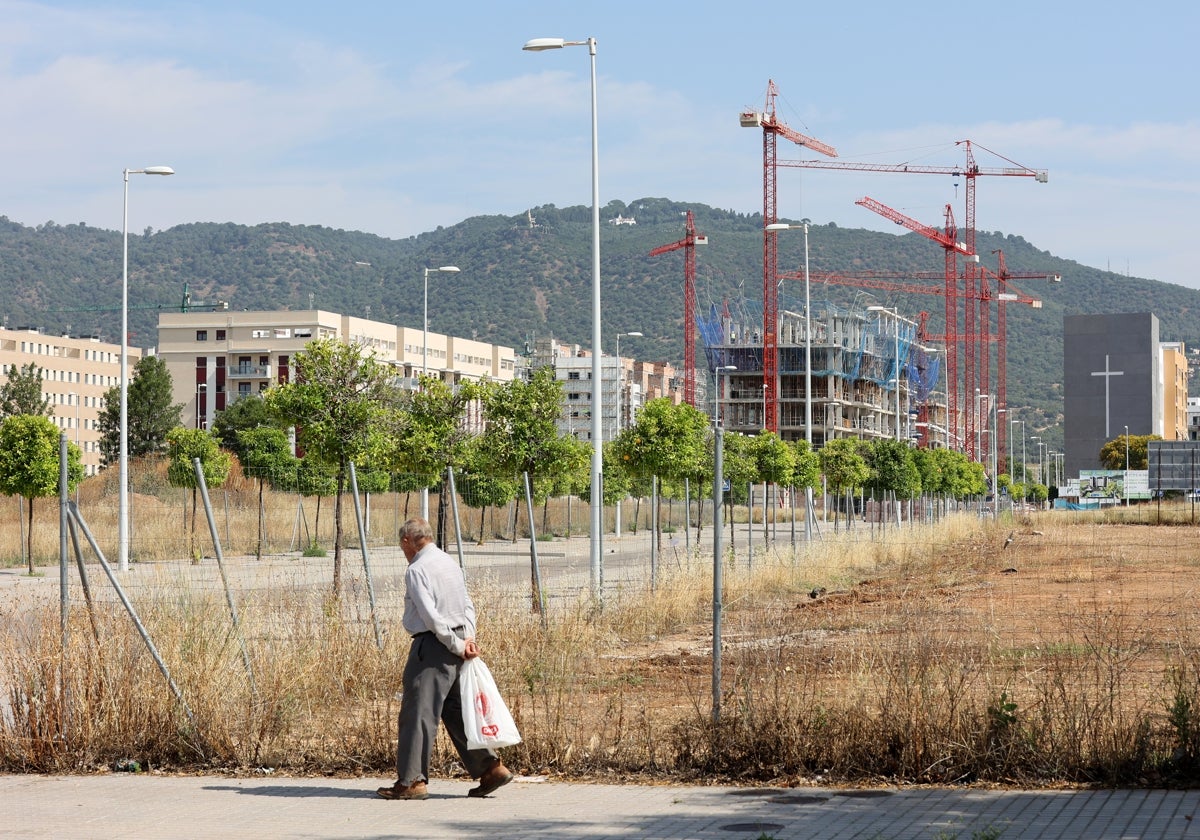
{"x":855,"y":356}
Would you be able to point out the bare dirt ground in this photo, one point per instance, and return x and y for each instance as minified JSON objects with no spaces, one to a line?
{"x":1049,"y":595}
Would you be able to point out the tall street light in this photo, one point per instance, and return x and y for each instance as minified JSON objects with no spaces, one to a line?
{"x":448,"y":269}
{"x":597,"y":493}
{"x":621,"y":380}
{"x":1012,"y":451}
{"x":717,"y":391}
{"x":804,"y":223}
{"x":1038,"y":442}
{"x":1126,"y":479}
{"x":1024,"y":461}
{"x":808,"y":364}
{"x":123,"y":458}
{"x":996,"y":455}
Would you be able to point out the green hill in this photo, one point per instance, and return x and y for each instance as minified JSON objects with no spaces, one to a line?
{"x":520,"y":280}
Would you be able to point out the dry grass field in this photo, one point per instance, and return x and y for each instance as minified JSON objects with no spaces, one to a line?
{"x":1057,"y":648}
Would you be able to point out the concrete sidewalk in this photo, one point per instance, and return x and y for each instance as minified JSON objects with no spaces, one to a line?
{"x":129,"y":807}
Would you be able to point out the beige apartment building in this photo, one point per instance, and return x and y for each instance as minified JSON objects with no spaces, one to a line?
{"x":1175,"y":390}
{"x":76,"y":373}
{"x":216,"y":358}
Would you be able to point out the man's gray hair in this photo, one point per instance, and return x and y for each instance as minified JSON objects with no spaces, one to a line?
{"x":417,"y":529}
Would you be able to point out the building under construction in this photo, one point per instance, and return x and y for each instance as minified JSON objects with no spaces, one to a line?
{"x":855,"y":388}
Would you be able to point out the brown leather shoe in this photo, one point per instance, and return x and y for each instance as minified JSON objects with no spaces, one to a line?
{"x":417,"y":790}
{"x":492,"y":780}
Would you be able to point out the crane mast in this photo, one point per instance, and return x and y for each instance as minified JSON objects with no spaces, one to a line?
{"x":689,"y":242}
{"x":772,"y":129}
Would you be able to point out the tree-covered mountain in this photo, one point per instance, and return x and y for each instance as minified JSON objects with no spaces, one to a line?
{"x":530,"y":275}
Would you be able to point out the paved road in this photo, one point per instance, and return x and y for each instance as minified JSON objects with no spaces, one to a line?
{"x":128,"y":807}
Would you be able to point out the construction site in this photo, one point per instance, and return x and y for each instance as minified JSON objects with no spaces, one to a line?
{"x":818,"y":371}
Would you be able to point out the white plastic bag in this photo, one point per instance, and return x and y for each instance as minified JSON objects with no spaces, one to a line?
{"x":485,"y":717}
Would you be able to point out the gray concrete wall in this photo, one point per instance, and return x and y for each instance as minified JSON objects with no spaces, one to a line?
{"x":1117,"y":353}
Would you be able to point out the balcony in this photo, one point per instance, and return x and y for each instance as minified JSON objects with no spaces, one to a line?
{"x":248,"y":372}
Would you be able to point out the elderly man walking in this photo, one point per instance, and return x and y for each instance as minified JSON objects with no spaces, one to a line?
{"x":440,"y":617}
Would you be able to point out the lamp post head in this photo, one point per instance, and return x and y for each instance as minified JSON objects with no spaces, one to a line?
{"x":150,"y":170}
{"x":539,"y":44}
{"x":635,"y":334}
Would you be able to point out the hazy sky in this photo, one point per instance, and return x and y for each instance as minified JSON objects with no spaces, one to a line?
{"x":397,"y":117}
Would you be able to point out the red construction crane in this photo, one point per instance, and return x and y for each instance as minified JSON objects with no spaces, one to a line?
{"x":948,"y":239}
{"x":971,"y":170}
{"x":1005,"y":296}
{"x":772,"y":129}
{"x":689,"y":242}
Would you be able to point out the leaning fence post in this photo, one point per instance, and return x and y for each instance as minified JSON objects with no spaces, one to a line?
{"x":137,"y":622}
{"x":212,"y":527}
{"x":362,"y":540}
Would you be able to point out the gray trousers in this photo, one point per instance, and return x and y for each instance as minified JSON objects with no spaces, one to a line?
{"x":431,"y":692}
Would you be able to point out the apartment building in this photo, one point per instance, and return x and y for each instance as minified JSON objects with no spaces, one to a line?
{"x":76,"y":373}
{"x":1175,"y":390}
{"x":626,"y":385}
{"x":216,"y":358}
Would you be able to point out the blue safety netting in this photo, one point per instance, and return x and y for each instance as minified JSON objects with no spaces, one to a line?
{"x":733,"y":336}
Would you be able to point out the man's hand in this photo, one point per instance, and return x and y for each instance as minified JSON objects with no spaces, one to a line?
{"x":471,"y":650}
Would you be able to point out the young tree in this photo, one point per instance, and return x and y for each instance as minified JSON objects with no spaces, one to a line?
{"x":266,"y":455}
{"x":844,"y":468}
{"x":336,"y":402}
{"x":521,"y":429}
{"x":21,"y":393}
{"x":249,"y":412}
{"x":430,"y":435}
{"x":184,"y":445}
{"x":806,"y":471}
{"x":666,"y":441}
{"x":151,"y":414}
{"x":29,"y":463}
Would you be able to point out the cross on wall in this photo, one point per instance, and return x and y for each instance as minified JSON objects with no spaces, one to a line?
{"x":1107,"y":374}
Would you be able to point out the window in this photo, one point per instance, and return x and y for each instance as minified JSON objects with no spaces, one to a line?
{"x":220,"y":335}
{"x":573,"y":374}
{"x":202,"y":335}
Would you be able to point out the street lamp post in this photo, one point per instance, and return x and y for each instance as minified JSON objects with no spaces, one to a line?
{"x":201,"y":390}
{"x":1124,"y":490}
{"x":621,"y":381}
{"x":74,"y":397}
{"x":1037,"y":439}
{"x":449,"y":269}
{"x":597,"y":497}
{"x":996,"y":455}
{"x":717,"y":391}
{"x":1012,"y":453}
{"x":1024,"y":458}
{"x":804,"y":223}
{"x":123,"y":456}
